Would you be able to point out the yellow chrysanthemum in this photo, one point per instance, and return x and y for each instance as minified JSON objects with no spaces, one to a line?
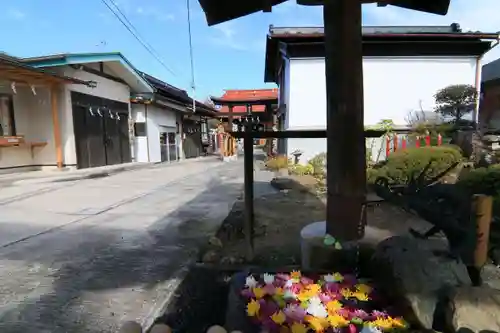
{"x":364,"y":288}
{"x":295,"y":275}
{"x":338,"y":277}
{"x":360,"y":296}
{"x":314,"y":289}
{"x":304,"y":296}
{"x":279,"y":291}
{"x":346,"y":293}
{"x":278,"y":317}
{"x":382,"y":323}
{"x":299,"y":328}
{"x":253,"y":308}
{"x":337,"y":321}
{"x":333,"y":306}
{"x":258,"y":292}
{"x":317,"y":324}
{"x":398,"y":322}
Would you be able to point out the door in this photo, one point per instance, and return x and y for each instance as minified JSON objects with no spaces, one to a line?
{"x":172,"y":146}
{"x":101,"y":131}
{"x":192,"y":142}
{"x":111,"y":139}
{"x":163,"y":147}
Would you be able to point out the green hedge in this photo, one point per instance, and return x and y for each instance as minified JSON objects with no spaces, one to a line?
{"x":482,"y":180}
{"x":401,"y":165}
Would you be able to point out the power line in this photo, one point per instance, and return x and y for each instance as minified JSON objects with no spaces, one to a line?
{"x":193,"y":85}
{"x":133,"y":30}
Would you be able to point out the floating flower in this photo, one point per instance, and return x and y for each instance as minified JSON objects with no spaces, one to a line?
{"x":317,"y":309}
{"x":360,"y":296}
{"x":250,"y":282}
{"x":313,"y":288}
{"x":278,"y":317}
{"x":358,"y":313}
{"x":379,"y":314}
{"x":382,"y":323}
{"x":364,"y":288}
{"x":333,"y":306}
{"x":294,"y":303}
{"x":295,"y":275}
{"x":253,"y":308}
{"x":337,"y":321}
{"x":268,"y":278}
{"x":317,"y":324}
{"x":346,"y":293}
{"x":299,"y":328}
{"x":294,"y":313}
{"x":258,"y":292}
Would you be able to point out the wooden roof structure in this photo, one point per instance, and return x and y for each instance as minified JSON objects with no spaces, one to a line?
{"x":13,"y":70}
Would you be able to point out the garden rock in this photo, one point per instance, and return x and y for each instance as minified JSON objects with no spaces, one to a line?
{"x":131,"y":327}
{"x":210,"y":257}
{"x":475,"y":309}
{"x":160,"y":328}
{"x":409,"y":272}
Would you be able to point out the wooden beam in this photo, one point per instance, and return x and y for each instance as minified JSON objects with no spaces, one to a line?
{"x":308,"y":134}
{"x":55,"y":123}
{"x":346,"y":163}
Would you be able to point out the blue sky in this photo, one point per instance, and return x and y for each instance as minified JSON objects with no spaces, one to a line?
{"x":227,"y":56}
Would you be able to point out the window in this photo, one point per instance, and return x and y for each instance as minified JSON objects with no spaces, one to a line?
{"x":7,"y":123}
{"x":140,"y":129}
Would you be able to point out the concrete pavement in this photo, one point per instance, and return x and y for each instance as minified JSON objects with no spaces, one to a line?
{"x":86,"y":255}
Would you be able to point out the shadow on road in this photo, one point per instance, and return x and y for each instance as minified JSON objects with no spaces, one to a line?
{"x":98,"y":276}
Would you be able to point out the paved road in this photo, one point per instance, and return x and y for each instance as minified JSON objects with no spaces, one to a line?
{"x":83,"y":256}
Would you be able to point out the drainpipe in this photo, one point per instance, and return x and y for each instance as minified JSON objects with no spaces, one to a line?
{"x":146,"y":123}
{"x":475,"y":116}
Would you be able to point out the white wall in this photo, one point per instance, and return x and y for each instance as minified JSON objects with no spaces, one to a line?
{"x":33,"y":120}
{"x":158,"y":119}
{"x":393,"y":87}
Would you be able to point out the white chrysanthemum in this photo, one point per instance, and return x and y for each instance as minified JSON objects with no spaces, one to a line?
{"x":317,"y":310}
{"x":315,"y":300}
{"x":370,"y":329}
{"x":268,"y":278}
{"x":329,"y":278}
{"x":289,"y":284}
{"x":250,"y":282}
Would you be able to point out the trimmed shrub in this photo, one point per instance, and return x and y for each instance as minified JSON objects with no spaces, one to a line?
{"x":482,"y":181}
{"x":301,"y":170}
{"x":277,"y":163}
{"x":402,"y":165}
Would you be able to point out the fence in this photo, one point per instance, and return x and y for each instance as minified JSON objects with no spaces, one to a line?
{"x":397,"y":142}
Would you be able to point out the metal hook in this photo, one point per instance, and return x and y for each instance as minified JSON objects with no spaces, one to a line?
{"x":99,"y":111}
{"x":91,"y":112}
{"x":111,"y":114}
{"x":13,"y":87}
{"x":117,"y":116}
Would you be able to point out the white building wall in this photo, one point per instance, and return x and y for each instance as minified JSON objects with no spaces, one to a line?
{"x":33,"y":120}
{"x":158,"y":119}
{"x":393,"y":87}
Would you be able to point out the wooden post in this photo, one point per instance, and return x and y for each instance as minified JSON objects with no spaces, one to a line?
{"x":482,"y":210}
{"x":248,"y":190}
{"x":346,"y":174}
{"x":230,"y":118}
{"x":55,"y":124}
